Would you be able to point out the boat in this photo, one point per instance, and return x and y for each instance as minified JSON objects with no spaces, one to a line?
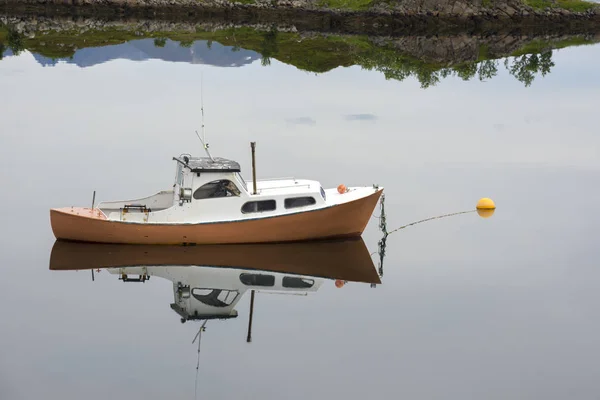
{"x":209,"y":280}
{"x":211,"y":203}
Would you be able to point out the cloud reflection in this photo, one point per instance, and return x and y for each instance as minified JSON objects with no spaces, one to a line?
{"x":361,"y":117}
{"x":301,"y":121}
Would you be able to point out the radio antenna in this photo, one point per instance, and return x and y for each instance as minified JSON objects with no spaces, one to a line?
{"x":203,"y":138}
{"x":202,"y":107}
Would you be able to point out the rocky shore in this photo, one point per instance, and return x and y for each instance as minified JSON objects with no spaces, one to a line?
{"x":444,"y":50}
{"x":375,"y":17}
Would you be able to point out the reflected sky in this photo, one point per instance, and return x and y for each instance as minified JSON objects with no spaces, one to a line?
{"x":493,"y":308}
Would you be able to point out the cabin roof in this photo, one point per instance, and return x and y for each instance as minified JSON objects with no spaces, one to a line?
{"x":205,"y":164}
{"x":188,"y":317}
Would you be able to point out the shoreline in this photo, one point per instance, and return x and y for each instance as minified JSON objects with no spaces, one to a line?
{"x":305,"y":15}
{"x":429,"y":58}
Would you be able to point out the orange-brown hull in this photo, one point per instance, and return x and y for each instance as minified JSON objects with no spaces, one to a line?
{"x":344,"y":220}
{"x":346,"y":259}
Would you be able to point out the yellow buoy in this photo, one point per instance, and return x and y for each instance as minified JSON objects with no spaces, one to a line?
{"x":485,"y":213}
{"x":486,"y":204}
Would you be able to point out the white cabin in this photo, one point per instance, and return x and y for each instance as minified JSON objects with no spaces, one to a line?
{"x":203,"y":292}
{"x":208,"y":190}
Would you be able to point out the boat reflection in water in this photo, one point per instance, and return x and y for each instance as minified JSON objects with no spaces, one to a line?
{"x":209,"y":280}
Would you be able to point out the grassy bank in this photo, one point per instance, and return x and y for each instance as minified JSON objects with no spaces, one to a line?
{"x":569,"y":5}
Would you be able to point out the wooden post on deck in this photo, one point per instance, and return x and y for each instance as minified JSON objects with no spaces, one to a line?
{"x":93,"y":202}
{"x":253,"y":145}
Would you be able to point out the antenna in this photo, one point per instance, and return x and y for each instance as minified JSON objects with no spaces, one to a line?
{"x":203,"y":138}
{"x":202,"y":106}
{"x":199,"y":337}
{"x":205,"y":145}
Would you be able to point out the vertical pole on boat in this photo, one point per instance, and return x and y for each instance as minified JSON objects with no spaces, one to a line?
{"x":249,"y":338}
{"x":253,"y":146}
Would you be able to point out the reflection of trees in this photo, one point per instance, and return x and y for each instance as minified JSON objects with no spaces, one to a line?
{"x":487,"y":69}
{"x":396,"y":66}
{"x":160,"y":42}
{"x":466,"y":71}
{"x":15,"y":42}
{"x":2,"y":50}
{"x":268,"y":47}
{"x":526,"y":66}
{"x":323,"y":53}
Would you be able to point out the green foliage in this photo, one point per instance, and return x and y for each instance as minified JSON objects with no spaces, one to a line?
{"x":354,"y":5}
{"x":525,"y":67}
{"x":269,"y":47}
{"x":576,"y":5}
{"x":399,"y":67}
{"x":160,"y":42}
{"x":570,"y":5}
{"x":540,"y":46}
{"x":186,"y":43}
{"x":487,"y":69}
{"x":484,"y":52}
{"x":466,"y":71}
{"x":15,"y":41}
{"x":2,"y":50}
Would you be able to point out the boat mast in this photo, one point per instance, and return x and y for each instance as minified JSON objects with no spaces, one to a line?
{"x":203,"y":138}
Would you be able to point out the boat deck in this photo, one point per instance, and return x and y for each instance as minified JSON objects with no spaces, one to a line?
{"x":83,"y":212}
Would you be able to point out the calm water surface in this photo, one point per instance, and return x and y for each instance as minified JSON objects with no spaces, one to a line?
{"x":469,"y":308}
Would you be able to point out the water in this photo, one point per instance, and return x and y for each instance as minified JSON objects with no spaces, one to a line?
{"x":496,"y":308}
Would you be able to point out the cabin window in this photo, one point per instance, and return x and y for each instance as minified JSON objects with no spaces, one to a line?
{"x":259,"y":206}
{"x":257,"y":279}
{"x":215,"y":189}
{"x":297,"y":282}
{"x":179,"y":175}
{"x":215,"y":297}
{"x":323,"y":193}
{"x":299,"y":202}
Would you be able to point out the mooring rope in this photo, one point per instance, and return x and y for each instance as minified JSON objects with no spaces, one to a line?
{"x":429,"y":219}
{"x":383,"y":227}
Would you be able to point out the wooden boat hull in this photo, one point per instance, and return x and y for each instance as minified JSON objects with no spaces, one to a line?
{"x":339,"y":221}
{"x":346,"y":259}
